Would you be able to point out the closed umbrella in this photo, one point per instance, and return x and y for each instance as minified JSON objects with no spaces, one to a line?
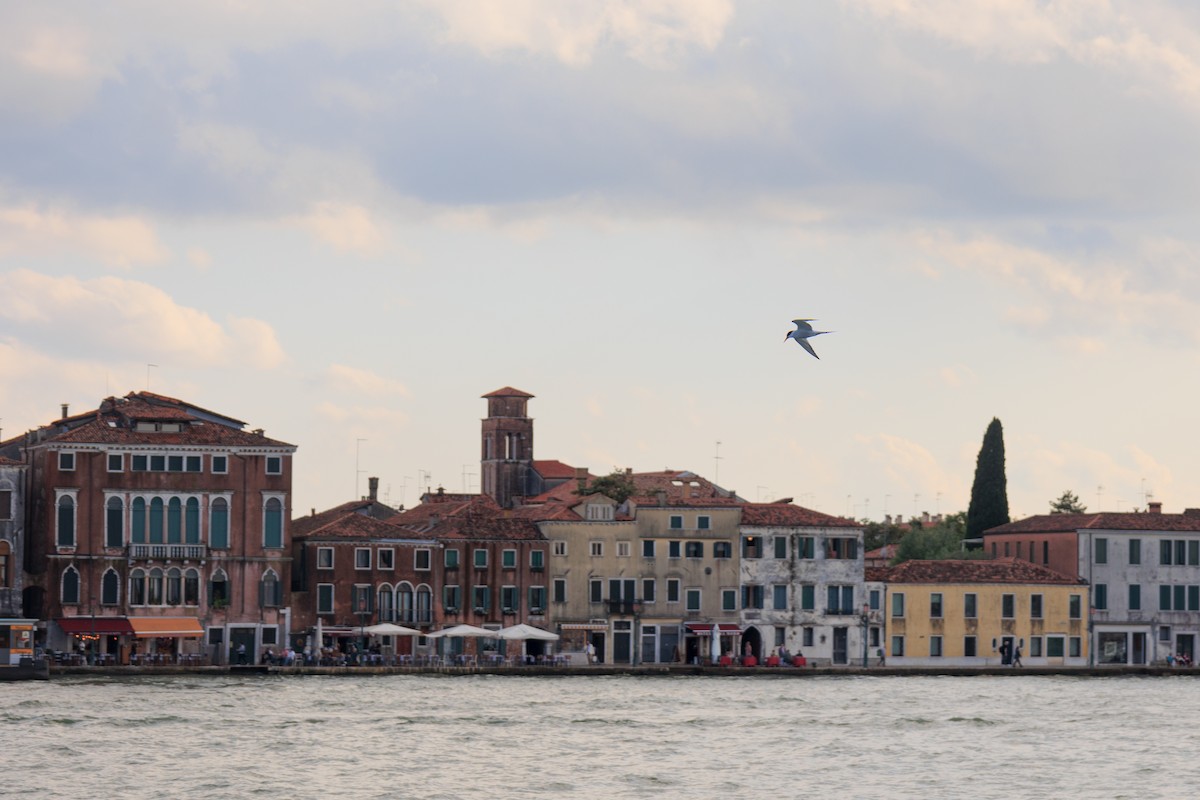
{"x":715,"y":645}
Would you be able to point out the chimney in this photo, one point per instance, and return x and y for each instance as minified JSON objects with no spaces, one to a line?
{"x":65,"y":407}
{"x":581,"y":474}
{"x":1154,"y":507}
{"x":373,"y":491}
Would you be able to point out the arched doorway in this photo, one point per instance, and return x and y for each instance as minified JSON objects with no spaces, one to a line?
{"x":752,"y":639}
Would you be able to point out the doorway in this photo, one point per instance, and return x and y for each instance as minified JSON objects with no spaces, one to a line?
{"x":597,"y":638}
{"x":752,"y":643}
{"x":622,"y":642}
{"x":1185,"y":646}
{"x":242,"y":637}
{"x":840,"y":645}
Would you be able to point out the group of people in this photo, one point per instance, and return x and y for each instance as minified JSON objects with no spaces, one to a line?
{"x":1180,"y":660}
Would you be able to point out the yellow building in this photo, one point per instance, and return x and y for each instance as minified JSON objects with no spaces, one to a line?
{"x":982,"y":613}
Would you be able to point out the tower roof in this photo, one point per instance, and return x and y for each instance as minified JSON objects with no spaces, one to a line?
{"x":507,"y":391}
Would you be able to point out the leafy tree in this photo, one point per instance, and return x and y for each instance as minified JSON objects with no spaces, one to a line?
{"x":877,"y":534}
{"x":616,"y":485}
{"x":941,"y":540}
{"x":1067,"y":504}
{"x":989,"y":493}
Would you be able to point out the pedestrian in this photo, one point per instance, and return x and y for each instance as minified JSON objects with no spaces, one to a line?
{"x":241,"y":654}
{"x":590,"y":649}
{"x":1016,"y":661}
{"x":882,"y":660}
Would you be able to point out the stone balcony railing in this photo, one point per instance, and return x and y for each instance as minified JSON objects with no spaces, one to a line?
{"x":168,"y":552}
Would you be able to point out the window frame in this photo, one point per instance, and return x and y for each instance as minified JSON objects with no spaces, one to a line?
{"x":362,"y":558}
{"x":321,"y":561}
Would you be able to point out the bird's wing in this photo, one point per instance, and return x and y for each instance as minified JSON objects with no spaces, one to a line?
{"x":804,"y":343}
{"x":802,"y":324}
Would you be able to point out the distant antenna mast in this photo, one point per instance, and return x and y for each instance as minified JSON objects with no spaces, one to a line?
{"x":148,"y":366}
{"x":717,"y":465}
{"x":357,"y":471}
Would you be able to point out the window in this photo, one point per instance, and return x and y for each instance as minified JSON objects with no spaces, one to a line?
{"x":970,"y":602}
{"x":1046,"y":552}
{"x":599,"y":512}
{"x":623,"y":549}
{"x":1102,"y":551}
{"x":269,"y":592}
{"x":674,"y":549}
{"x":780,"y":544}
{"x":1164,"y":598}
{"x":1054,"y":646}
{"x":480,"y":558}
{"x":1035,"y":646}
{"x":596,"y":590}
{"x":1135,"y":597}
{"x":386,"y":559}
{"x":897,"y":604}
{"x":5,"y":554}
{"x":116,"y":462}
{"x":935,"y":646}
{"x":969,"y":646}
{"x":703,"y":523}
{"x":361,"y":598}
{"x":729,"y":599}
{"x":137,"y":588}
{"x":752,"y":596}
{"x":362,"y":558}
{"x":273,"y":524}
{"x":1193,"y":593}
{"x":875,"y":599}
{"x":840,"y":599}
{"x":808,"y":597}
{"x":537,"y":599}
{"x":158,"y":463}
{"x":694,"y":549}
{"x":66,"y":522}
{"x":5,"y":504}
{"x":1180,"y":592}
{"x":508,"y":559}
{"x":174,"y":463}
{"x":779,"y":599}
{"x":1193,"y":553}
{"x":114,"y":523}
{"x":649,"y":590}
{"x":1164,"y":552}
{"x":722,"y":550}
{"x":481,"y":599}
{"x":156,"y":520}
{"x":676,"y":523}
{"x":1075,"y":607}
{"x":806,"y":547}
{"x":693,"y":600}
{"x":138,"y":463}
{"x":841,"y":547}
{"x":274,"y":465}
{"x":647,"y":548}
{"x":1075,"y":647}
{"x":451,"y":598}
{"x":422,"y":559}
{"x":1180,"y":552}
{"x":1008,"y":606}
{"x":935,"y":605}
{"x":220,"y":465}
{"x":1100,"y":596}
{"x":450,"y":558}
{"x":1164,"y":633}
{"x":1035,"y":606}
{"x":218,"y":524}
{"x":596,"y":549}
{"x":510,"y":599}
{"x":110,"y":588}
{"x":154,"y":588}
{"x":673,"y":587}
{"x":70,"y":586}
{"x":560,"y":590}
{"x":194,"y":463}
{"x":898,"y":646}
{"x":752,"y":546}
{"x":807,"y":637}
{"x":66,"y":462}
{"x":191,"y":521}
{"x":560,"y":548}
{"x":324,"y":558}
{"x":175,"y":587}
{"x":1135,"y":551}
{"x":191,"y":587}
{"x":537,"y":560}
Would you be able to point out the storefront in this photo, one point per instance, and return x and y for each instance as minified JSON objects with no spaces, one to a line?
{"x":159,"y":640}
{"x":92,"y":640}
{"x":698,"y":640}
{"x":16,"y":640}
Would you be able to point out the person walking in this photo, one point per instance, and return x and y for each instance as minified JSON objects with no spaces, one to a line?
{"x":1016,"y":659}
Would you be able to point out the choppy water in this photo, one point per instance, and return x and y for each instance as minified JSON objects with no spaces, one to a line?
{"x":499,"y":737}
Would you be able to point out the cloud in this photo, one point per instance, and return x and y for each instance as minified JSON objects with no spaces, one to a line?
{"x":362,"y":418}
{"x":342,"y":378}
{"x":110,"y":318}
{"x":345,"y":227}
{"x":122,"y":241}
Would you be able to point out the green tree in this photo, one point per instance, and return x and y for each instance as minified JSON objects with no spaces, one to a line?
{"x":941,"y":540}
{"x":1067,"y":504}
{"x":616,"y":485}
{"x":989,"y":493}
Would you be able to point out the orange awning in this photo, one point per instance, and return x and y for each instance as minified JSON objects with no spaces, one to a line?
{"x":150,"y":627}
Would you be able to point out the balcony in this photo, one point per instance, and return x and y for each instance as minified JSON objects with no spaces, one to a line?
{"x":168,"y":552}
{"x":623,"y":607}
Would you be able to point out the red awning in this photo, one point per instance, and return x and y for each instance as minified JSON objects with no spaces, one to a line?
{"x":705,"y":628}
{"x":109,"y":626}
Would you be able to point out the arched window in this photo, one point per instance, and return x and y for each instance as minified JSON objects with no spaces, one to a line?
{"x":273,"y":523}
{"x":114,"y":523}
{"x":66,"y":523}
{"x":218,"y":527}
{"x":5,"y":575}
{"x":70,"y":586}
{"x":110,"y":588}
{"x":218,"y":590}
{"x":191,"y":588}
{"x":268,"y":592}
{"x":154,"y":588}
{"x":404,"y":602}
{"x":174,"y":587}
{"x":175,"y":521}
{"x":387,"y":610}
{"x":137,"y":521}
{"x":191,"y":521}
{"x":424,"y":605}
{"x":156,"y":520}
{"x":137,"y":588}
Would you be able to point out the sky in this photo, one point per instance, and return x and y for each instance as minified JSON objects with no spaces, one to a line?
{"x":344,"y":224}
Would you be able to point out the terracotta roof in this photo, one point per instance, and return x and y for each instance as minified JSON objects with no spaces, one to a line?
{"x":786,"y":514}
{"x":370,"y":508}
{"x":995,"y":570}
{"x":10,"y":462}
{"x":887,"y":551}
{"x":507,"y":391}
{"x":553,"y":470}
{"x":476,"y":518}
{"x":1108,"y":521}
{"x":351,"y":525}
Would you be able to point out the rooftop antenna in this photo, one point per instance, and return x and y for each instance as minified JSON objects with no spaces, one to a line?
{"x":357,"y":471}
{"x":1099,"y":494}
{"x":717,"y":465}
{"x":148,"y":366}
{"x":465,"y":475}
{"x":760,"y":488}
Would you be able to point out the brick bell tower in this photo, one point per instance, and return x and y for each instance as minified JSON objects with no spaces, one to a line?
{"x":507,"y":456}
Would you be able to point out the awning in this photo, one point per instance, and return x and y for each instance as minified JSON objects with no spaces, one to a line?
{"x":584,"y":626}
{"x":705,"y":628}
{"x":108,"y":626}
{"x":150,"y":627}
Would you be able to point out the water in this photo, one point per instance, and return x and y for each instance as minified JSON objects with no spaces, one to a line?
{"x":555,"y":737}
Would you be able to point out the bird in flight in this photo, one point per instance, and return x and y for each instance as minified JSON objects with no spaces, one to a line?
{"x":802,"y":333}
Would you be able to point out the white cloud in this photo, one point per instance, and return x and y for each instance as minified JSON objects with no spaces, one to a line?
{"x":124,"y":319}
{"x":343,"y":378}
{"x":344,"y":227}
{"x":122,"y":241}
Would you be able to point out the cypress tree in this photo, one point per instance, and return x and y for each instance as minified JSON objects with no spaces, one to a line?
{"x":989,"y":493}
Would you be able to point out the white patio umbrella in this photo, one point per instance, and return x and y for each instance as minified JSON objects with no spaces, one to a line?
{"x":715,"y":645}
{"x":524,"y":631}
{"x":390,"y":629}
{"x":463,"y":632}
